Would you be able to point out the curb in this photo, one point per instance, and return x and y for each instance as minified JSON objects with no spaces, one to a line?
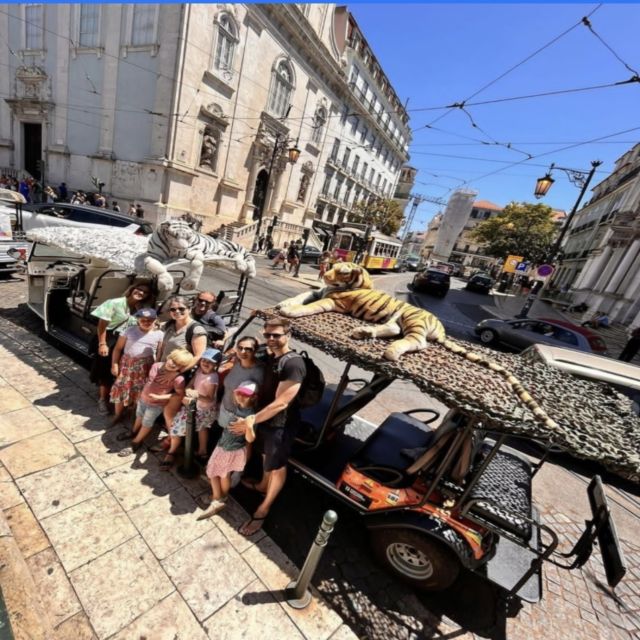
{"x":26,"y":616}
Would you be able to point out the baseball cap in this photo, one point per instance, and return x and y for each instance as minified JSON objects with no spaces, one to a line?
{"x":212,"y":354}
{"x":247,"y":388}
{"x":146,"y":313}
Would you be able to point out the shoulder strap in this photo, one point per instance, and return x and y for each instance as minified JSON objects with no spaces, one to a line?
{"x":286,"y":357}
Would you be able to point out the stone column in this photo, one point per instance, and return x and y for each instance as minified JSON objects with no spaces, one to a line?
{"x":608,"y":269}
{"x":623,"y":268}
{"x":274,"y":198}
{"x":593,"y":268}
{"x":248,"y":207}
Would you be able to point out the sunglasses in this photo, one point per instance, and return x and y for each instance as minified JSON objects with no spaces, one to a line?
{"x":201,"y":301}
{"x":145,"y":291}
{"x":274,"y":336}
{"x":246,"y":349}
{"x":177,"y":309}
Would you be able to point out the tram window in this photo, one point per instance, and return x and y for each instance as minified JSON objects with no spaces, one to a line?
{"x":345,"y":242}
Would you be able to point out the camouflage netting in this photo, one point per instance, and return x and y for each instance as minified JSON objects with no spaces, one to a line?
{"x":595,"y":422}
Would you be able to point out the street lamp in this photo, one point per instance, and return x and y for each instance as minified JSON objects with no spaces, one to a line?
{"x":293,"y":153}
{"x":578,"y":178}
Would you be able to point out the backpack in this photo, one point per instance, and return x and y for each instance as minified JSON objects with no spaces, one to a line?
{"x":213,"y":333}
{"x":313,"y":385}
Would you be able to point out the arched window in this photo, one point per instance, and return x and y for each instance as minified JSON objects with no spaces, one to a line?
{"x":226,"y":43}
{"x":281,"y":88}
{"x":319,"y":121}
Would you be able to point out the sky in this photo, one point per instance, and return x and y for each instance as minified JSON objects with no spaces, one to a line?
{"x":438,"y":54}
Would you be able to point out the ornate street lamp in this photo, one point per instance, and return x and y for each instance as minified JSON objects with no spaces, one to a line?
{"x":294,"y":153}
{"x":580,"y":179}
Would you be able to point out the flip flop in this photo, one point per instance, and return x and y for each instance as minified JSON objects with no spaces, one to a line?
{"x":248,"y":524}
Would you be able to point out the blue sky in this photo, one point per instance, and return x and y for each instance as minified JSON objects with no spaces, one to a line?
{"x":437,"y":54}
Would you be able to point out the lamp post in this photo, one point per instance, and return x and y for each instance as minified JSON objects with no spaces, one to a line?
{"x":580,"y":179}
{"x":293,"y":153}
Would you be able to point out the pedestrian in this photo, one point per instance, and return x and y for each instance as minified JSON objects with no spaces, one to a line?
{"x":281,"y":257}
{"x":293,"y":258}
{"x":132,"y":209}
{"x":203,"y":311}
{"x":115,"y":206}
{"x":632,"y":347}
{"x":277,"y":420}
{"x":202,"y":390}
{"x":114,"y":316}
{"x":325,"y":261}
{"x":63,"y":192}
{"x":163,"y":382}
{"x":139,"y":211}
{"x":260,"y":243}
{"x":133,"y":355}
{"x":269,"y":244}
{"x":23,"y":188}
{"x":231,"y":453}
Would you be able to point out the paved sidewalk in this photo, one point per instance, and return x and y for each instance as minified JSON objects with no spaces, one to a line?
{"x":95,"y":545}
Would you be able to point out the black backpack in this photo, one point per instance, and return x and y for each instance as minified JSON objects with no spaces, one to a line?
{"x":213,"y":333}
{"x":313,"y":385}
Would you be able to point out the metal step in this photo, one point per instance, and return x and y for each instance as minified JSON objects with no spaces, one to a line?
{"x":70,"y":339}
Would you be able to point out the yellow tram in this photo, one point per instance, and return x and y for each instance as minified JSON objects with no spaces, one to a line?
{"x":377,"y":251}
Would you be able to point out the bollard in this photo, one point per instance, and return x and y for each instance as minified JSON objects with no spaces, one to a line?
{"x":297,"y":592}
{"x":188,"y":468}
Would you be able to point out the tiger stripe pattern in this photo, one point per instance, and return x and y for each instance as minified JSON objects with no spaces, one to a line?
{"x":350,"y":291}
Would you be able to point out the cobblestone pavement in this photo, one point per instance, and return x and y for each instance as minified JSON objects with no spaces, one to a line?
{"x":375,"y":605}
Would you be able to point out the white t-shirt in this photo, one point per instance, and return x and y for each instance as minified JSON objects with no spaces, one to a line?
{"x":140,"y":344}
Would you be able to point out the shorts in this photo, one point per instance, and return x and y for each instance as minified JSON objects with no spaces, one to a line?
{"x":148,"y":412}
{"x":275,"y":444}
{"x":203,"y":420}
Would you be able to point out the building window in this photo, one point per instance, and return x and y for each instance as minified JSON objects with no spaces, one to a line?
{"x":143,"y":25}
{"x":363,"y":134}
{"x":281,"y":88}
{"x":304,"y":186}
{"x":88,"y":30}
{"x":355,"y":74}
{"x":345,"y":157}
{"x":209,"y":148}
{"x":336,"y":193}
{"x":336,"y":148}
{"x":356,"y":162}
{"x":365,"y":166}
{"x":226,"y":42}
{"x":319,"y":121}
{"x":326,"y":186}
{"x":34,"y":26}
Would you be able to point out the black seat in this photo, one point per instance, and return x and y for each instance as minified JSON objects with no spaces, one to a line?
{"x":505,"y":485}
{"x":383,"y":448}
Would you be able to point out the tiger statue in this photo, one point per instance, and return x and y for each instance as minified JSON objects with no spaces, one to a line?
{"x":176,"y":239}
{"x":350,"y":290}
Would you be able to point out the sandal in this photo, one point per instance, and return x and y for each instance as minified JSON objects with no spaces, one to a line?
{"x":167,"y":463}
{"x":247,"y":529}
{"x":130,"y":450}
{"x":216,"y":506}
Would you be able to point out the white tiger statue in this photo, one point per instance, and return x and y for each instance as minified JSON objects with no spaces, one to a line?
{"x":175,"y":240}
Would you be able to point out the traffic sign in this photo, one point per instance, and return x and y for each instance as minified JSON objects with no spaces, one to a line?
{"x":522,"y":267}
{"x":511,"y":263}
{"x":545,"y":270}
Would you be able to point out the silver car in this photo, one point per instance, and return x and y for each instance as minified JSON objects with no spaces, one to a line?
{"x":520,"y":334}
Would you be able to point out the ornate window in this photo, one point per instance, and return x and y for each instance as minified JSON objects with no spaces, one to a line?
{"x":226,"y":42}
{"x":282,"y":81}
{"x":34,"y":26}
{"x":304,"y":187}
{"x":89,"y":26}
{"x":319,"y":121}
{"x":143,"y":25}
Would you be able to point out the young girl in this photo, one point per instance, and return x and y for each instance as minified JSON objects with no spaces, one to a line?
{"x":134,"y":353}
{"x":164,"y":380}
{"x":231,"y":452}
{"x":202,"y":388}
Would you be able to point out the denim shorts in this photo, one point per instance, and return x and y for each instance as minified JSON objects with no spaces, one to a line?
{"x":148,"y":413}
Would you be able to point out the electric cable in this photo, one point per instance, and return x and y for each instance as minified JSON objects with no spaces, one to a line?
{"x":587,"y":23}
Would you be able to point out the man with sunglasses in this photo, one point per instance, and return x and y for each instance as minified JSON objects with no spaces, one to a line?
{"x":203,"y":312}
{"x":277,"y":420}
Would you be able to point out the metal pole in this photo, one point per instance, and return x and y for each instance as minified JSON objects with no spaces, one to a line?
{"x":555,"y":249}
{"x":188,"y":469}
{"x":305,"y":237}
{"x":297,"y":592}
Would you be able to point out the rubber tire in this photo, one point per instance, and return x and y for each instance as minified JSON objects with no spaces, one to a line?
{"x":490,"y":336}
{"x":446,"y":566}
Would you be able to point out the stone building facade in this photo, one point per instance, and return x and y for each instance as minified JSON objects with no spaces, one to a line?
{"x":194,"y":107}
{"x":601,"y":253}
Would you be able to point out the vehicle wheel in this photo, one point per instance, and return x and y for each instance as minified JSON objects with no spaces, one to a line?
{"x":421,"y":561}
{"x":487,"y":336}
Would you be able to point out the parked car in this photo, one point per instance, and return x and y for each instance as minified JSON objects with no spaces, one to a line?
{"x":520,"y":334}
{"x":479,"y":282}
{"x":409,"y":263}
{"x":60,"y":214}
{"x":432,"y":281}
{"x":310,"y":254}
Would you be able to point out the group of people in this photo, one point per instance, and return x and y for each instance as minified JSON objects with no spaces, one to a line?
{"x":176,"y":372}
{"x":289,"y":257}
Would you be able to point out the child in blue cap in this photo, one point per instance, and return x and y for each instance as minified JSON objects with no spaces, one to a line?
{"x":202,"y":388}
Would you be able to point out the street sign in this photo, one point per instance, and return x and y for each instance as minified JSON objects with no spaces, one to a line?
{"x":545,"y":270}
{"x":522,"y":267}
{"x":511,"y":263}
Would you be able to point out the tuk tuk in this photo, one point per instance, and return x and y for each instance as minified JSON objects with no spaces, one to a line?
{"x":436,"y":500}
{"x":70,"y":274}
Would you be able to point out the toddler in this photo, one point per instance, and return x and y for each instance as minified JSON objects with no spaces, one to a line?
{"x":231,"y":452}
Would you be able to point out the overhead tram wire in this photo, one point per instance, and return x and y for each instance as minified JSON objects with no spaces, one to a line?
{"x":587,"y":23}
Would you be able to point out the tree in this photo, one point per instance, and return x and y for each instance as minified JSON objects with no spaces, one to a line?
{"x":521,"y":229}
{"x":385,"y":214}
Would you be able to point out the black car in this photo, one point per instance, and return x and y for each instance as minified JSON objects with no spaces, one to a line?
{"x":432,"y":281}
{"x":479,"y":282}
{"x":310,"y":254}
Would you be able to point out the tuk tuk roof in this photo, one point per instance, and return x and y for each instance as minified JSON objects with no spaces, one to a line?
{"x":595,"y":422}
